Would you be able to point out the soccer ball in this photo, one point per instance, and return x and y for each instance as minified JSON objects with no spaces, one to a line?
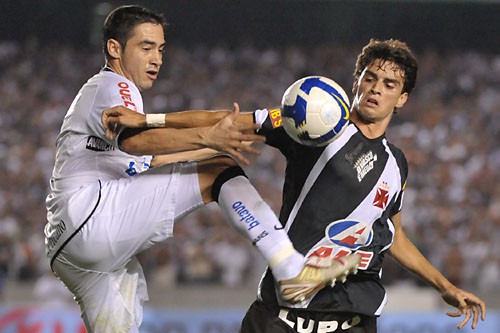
{"x":314,"y":110}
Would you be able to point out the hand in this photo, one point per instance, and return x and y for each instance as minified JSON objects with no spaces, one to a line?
{"x":233,"y":137}
{"x":467,"y":304}
{"x":118,"y":116}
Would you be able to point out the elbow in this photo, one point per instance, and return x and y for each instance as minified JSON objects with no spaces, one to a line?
{"x":129,"y":143}
{"x":129,"y":147}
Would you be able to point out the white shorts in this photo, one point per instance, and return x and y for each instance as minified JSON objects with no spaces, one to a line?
{"x":98,"y":264}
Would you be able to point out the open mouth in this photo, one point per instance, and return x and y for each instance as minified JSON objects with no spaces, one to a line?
{"x":152,"y":74}
{"x":372,"y":102}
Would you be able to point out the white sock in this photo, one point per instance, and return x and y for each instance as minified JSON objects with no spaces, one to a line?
{"x":246,"y":211}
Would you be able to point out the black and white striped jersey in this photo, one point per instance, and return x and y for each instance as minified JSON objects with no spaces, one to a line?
{"x":339,"y":199}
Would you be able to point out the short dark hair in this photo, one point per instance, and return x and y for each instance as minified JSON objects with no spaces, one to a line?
{"x":121,"y":21}
{"x":392,"y":50}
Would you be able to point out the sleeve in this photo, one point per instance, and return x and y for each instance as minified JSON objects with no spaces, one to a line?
{"x":403,"y":169}
{"x":113,"y":91}
{"x":272,"y":129}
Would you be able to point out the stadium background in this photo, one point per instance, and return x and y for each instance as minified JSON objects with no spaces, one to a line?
{"x":220,"y":51}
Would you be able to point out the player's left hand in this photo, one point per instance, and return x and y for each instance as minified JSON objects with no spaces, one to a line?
{"x":118,"y":116}
{"x":467,"y":304}
{"x":233,"y":137}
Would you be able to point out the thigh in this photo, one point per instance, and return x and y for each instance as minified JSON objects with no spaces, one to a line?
{"x":109,"y":302}
{"x":133,"y":214}
{"x":263,"y":319}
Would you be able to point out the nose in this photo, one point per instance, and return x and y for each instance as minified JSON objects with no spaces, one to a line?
{"x":375,"y":88}
{"x":157,"y":59}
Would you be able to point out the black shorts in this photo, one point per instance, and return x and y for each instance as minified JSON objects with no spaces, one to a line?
{"x":261,"y":318}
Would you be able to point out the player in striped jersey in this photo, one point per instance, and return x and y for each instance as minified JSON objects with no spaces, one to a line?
{"x":347,"y":198}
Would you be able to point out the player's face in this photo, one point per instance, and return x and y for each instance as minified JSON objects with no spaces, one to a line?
{"x":377,"y":92}
{"x":141,"y":58}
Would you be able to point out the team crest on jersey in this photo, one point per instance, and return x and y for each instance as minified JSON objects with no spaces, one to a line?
{"x":349,"y":233}
{"x":381,"y":196}
{"x":365,"y":164}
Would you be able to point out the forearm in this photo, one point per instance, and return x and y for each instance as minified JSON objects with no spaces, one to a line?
{"x":406,"y":254}
{"x":192,"y":155}
{"x":189,"y":119}
{"x":157,"y":141}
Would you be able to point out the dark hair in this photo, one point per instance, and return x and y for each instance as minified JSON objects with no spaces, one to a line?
{"x":120,"y":23}
{"x":391,"y":50}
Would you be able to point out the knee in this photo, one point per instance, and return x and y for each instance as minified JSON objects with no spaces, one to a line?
{"x":214,"y":173}
{"x":224,"y":176}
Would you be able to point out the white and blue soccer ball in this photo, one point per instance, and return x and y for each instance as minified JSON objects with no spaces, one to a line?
{"x":314,"y":110}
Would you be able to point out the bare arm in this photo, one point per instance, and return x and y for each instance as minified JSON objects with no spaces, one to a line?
{"x":223,"y":131}
{"x":195,"y":118}
{"x":405,"y":252}
{"x":184,"y":156}
{"x":123,"y":116}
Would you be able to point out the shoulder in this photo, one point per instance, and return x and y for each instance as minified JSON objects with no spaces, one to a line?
{"x":116,"y":81}
{"x":396,"y":151}
{"x":399,"y":156}
{"x":119,"y":90}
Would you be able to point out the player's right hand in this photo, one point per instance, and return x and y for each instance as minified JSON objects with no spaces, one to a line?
{"x":117,"y":116}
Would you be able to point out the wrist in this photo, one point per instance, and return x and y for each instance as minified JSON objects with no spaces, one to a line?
{"x":155,"y":120}
{"x":443,"y":286}
{"x":203,"y":134}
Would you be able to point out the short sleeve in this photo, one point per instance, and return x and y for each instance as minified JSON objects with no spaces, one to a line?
{"x":112,"y":90}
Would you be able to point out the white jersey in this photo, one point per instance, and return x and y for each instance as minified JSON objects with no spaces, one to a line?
{"x":84,"y":155}
{"x":105,"y":207}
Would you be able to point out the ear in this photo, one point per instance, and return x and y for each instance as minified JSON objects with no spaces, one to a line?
{"x":402,"y":100}
{"x":114,"y":48}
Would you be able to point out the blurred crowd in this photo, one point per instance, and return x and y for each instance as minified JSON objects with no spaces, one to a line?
{"x":449,"y":130}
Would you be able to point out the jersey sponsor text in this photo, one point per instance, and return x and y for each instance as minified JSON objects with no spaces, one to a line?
{"x":365,"y":164}
{"x":275,"y":116}
{"x":245,"y":215}
{"x":97,"y":144}
{"x":52,"y":236}
{"x":126,"y":96}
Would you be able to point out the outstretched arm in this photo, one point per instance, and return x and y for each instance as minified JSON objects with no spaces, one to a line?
{"x":223,"y":131}
{"x":405,"y":252}
{"x":189,"y":155}
{"x":184,"y":156}
{"x":122,"y":116}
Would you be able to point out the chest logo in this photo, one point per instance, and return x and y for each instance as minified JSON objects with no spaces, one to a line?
{"x":350,"y":234}
{"x":365,"y":164}
{"x":381,"y":196}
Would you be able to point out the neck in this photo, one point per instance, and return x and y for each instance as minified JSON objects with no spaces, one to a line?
{"x":371,"y":130}
{"x":115,"y":67}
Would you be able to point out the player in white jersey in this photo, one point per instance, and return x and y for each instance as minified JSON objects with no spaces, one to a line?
{"x":106,"y":205}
